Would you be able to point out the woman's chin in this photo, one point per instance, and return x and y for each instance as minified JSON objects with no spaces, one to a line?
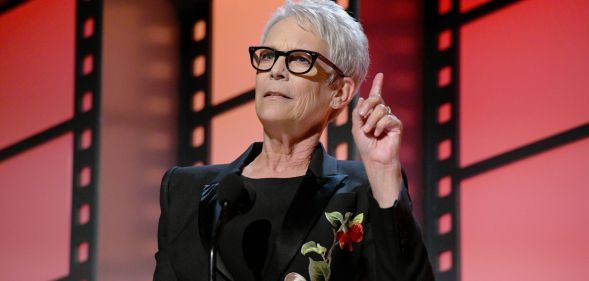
{"x":274,"y":119}
{"x":273,"y":114}
{"x":277,"y":122}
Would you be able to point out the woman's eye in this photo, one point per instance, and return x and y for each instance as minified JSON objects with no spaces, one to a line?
{"x":267,"y":56}
{"x":300,"y":59}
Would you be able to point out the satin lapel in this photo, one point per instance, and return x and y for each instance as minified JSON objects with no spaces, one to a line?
{"x":206,"y":211}
{"x":307,"y":207}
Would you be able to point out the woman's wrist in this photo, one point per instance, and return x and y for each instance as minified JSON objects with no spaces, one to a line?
{"x":386,"y":182}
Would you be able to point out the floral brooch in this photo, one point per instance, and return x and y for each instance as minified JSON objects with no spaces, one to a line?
{"x":346,"y":231}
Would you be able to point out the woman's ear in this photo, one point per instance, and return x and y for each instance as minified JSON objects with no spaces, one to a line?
{"x":345,"y":89}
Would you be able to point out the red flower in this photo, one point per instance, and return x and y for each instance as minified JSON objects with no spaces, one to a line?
{"x":354,"y":234}
{"x":343,"y":239}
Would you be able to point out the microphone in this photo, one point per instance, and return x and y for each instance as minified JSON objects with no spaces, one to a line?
{"x":255,"y":245}
{"x":234,"y":198}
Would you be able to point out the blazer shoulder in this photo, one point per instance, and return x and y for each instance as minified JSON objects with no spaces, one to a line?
{"x":180,"y":192}
{"x":197,"y":172}
{"x":180,"y":180}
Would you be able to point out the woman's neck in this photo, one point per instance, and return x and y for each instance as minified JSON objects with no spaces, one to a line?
{"x":282,"y":158}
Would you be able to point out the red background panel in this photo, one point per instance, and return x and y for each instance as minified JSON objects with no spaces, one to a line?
{"x":528,"y":220}
{"x":35,"y":196}
{"x":523,"y":76}
{"x":36,"y":68}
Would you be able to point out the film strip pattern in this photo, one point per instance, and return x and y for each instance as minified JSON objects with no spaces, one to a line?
{"x":194,"y":108}
{"x":86,"y":131}
{"x":84,"y":126}
{"x":195,"y":103}
{"x":441,"y":95}
{"x":442,"y":22}
{"x":443,"y":174}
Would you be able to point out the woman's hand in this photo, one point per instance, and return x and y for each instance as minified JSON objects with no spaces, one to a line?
{"x":377,"y":134}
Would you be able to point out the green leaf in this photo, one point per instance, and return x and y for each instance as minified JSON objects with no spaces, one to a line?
{"x":311,"y":246}
{"x":358,"y":219}
{"x":334,"y":218}
{"x":319,"y":270}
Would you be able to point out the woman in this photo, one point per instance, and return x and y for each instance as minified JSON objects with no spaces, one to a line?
{"x":312,"y":217}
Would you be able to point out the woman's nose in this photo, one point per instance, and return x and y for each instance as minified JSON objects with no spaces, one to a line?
{"x":279,"y":70}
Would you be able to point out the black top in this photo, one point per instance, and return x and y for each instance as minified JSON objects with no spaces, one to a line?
{"x":244,"y":242}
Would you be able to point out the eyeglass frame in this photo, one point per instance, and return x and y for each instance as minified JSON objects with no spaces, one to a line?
{"x":314,"y":56}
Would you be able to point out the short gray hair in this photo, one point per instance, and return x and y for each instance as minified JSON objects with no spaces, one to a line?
{"x":345,"y":38}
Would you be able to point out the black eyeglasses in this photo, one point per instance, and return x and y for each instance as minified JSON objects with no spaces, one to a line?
{"x":297,"y":61}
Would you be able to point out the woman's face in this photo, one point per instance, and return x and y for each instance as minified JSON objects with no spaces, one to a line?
{"x":295,"y":102}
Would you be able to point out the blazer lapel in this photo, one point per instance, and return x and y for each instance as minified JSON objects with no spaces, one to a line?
{"x":307,"y":207}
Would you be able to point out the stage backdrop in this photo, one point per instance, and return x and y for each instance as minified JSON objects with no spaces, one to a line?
{"x":508,"y":138}
{"x":49,"y":99}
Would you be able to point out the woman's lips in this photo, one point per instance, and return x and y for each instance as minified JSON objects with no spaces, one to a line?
{"x":276,"y":94}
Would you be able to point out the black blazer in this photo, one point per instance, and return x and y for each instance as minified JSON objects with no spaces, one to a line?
{"x":377,"y":244}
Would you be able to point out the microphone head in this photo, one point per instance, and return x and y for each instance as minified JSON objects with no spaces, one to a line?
{"x":233,"y":194}
{"x":230,"y":189}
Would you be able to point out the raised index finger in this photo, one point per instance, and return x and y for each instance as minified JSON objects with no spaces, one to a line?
{"x":376,"y":85}
{"x":374,"y":98}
